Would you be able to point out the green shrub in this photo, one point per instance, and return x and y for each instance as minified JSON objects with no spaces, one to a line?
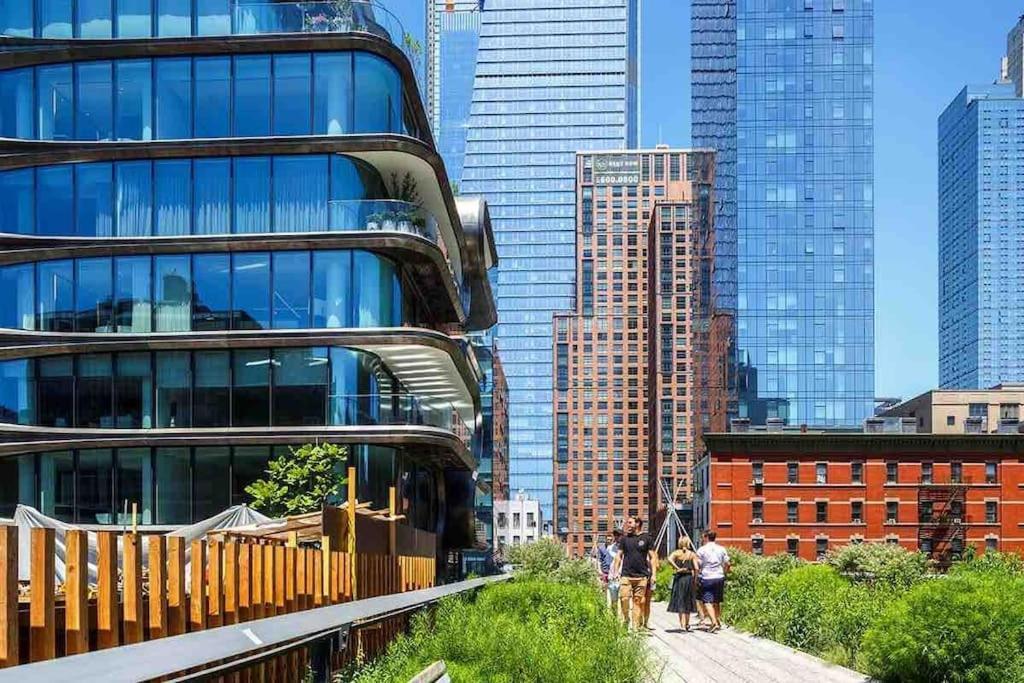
{"x":964,"y":628}
{"x":992,"y":564}
{"x":546,"y":560}
{"x":663,"y":582}
{"x":885,"y":563}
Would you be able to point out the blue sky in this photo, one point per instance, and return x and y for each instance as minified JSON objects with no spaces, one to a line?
{"x":925,"y":52}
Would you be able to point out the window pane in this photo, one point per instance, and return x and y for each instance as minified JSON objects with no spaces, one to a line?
{"x":213,"y":92}
{"x":134,"y":18}
{"x":17,"y":297}
{"x":55,"y":19}
{"x":211,"y":394}
{"x":94,"y":101}
{"x":133,"y":307}
{"x":173,"y":486}
{"x":134,"y":198}
{"x":332,"y":100}
{"x":332,"y":274}
{"x":173,"y":377}
{"x":94,"y":200}
{"x":16,"y":18}
{"x":95,"y":391}
{"x":213,"y":196}
{"x":300,"y":386}
{"x":173,"y":98}
{"x":213,"y":17}
{"x":378,"y":96}
{"x":354,"y":392}
{"x":213,"y":486}
{"x":173,"y":297}
{"x":55,"y":290}
{"x":173,"y":18}
{"x":56,"y":392}
{"x":251,"y":287}
{"x":375,"y":473}
{"x":17,"y":483}
{"x":134,"y":99}
{"x":248,"y":465}
{"x":134,"y":484}
{"x":252,"y":195}
{"x":134,"y":391}
{"x":292,"y":92}
{"x":17,"y":201}
{"x":16,"y":113}
{"x":291,"y":289}
{"x":300,"y":193}
{"x":17,"y":404}
{"x":95,"y":486}
{"x":54,"y":95}
{"x":211,"y":274}
{"x":173,"y":196}
{"x":374,"y":285}
{"x":251,"y":404}
{"x":252,"y":96}
{"x":53,"y":200}
{"x":94,"y":295}
{"x":57,"y":485}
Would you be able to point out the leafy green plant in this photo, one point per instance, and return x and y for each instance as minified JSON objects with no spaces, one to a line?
{"x":536,"y":560}
{"x":301,"y":481}
{"x":887,"y":563}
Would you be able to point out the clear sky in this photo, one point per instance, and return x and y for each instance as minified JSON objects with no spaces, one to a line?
{"x":925,"y":52}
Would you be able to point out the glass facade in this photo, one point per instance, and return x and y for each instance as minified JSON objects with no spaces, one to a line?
{"x":551,"y":79}
{"x":783,"y":90}
{"x":981,"y":319}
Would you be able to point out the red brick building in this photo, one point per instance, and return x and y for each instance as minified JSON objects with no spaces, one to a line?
{"x":806,"y":492}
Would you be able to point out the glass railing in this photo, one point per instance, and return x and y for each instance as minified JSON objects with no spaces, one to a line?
{"x":399,"y":410}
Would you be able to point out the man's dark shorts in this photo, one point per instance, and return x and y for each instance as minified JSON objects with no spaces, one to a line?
{"x":712,"y":590}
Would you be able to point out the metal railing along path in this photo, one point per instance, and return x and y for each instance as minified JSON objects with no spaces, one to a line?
{"x":322,"y":631}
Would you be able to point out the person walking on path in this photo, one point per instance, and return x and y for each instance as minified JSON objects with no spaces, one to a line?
{"x":685,"y":565}
{"x":649,"y":591}
{"x":611,"y":579}
{"x":714,"y":565}
{"x":633,"y":564}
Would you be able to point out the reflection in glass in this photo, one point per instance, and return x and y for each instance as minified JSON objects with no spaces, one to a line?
{"x":212,"y":181}
{"x":54,"y":200}
{"x":134,"y":485}
{"x":56,"y":393}
{"x":95,"y":391}
{"x":174,"y":98}
{"x":251,"y":287}
{"x":134,"y":197}
{"x":94,"y":295}
{"x":292,"y":86}
{"x":212,"y":483}
{"x":17,"y":201}
{"x":16,"y":108}
{"x":54,"y":96}
{"x":213,"y":96}
{"x":17,"y":483}
{"x":252,"y":96}
{"x":174,"y":18}
{"x":173,"y":196}
{"x":211,"y":275}
{"x":173,"y":486}
{"x":332,"y":277}
{"x":134,"y":391}
{"x":251,"y":401}
{"x":300,"y":386}
{"x":291,"y":289}
{"x":378,"y":104}
{"x":56,"y":293}
{"x":332,"y":99}
{"x":95,"y":486}
{"x":93,"y":19}
{"x":17,"y":403}
{"x":134,"y":116}
{"x":300,"y":193}
{"x":375,"y":287}
{"x":55,"y":19}
{"x":57,"y":485}
{"x":248,"y":465}
{"x":252,"y":195}
{"x":133,"y":305}
{"x":94,"y":200}
{"x":134,"y":18}
{"x":212,"y":393}
{"x":94,"y":98}
{"x":17,"y":297}
{"x":173,"y":379}
{"x":213,"y":17}
{"x":173,"y":295}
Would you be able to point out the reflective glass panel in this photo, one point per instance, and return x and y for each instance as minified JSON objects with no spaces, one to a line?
{"x":173,"y":294}
{"x":213,"y":17}
{"x":173,"y":486}
{"x":95,"y":391}
{"x":251,"y":404}
{"x":332,"y":100}
{"x":17,"y":399}
{"x":56,"y":293}
{"x":17,"y":202}
{"x":133,"y":391}
{"x":300,"y":193}
{"x":55,"y":19}
{"x":17,"y":18}
{"x":211,"y":394}
{"x":252,"y":195}
{"x":94,"y":101}
{"x":174,"y":98}
{"x":213,"y":93}
{"x":332,"y":276}
{"x":248,"y":464}
{"x":212,"y":284}
{"x":212,"y":481}
{"x":54,"y":97}
{"x":291,"y":289}
{"x":134,"y":18}
{"x":212,"y":196}
{"x":16,"y":114}
{"x":252,"y":96}
{"x":134,"y":198}
{"x":94,"y":19}
{"x":374,"y":284}
{"x":300,"y":386}
{"x":292,"y":94}
{"x":56,"y":394}
{"x":17,"y":483}
{"x":94,"y":200}
{"x":54,"y":200}
{"x":173,"y":18}
{"x":173,"y":196}
{"x":251,"y":287}
{"x":134,"y":116}
{"x":378,"y":97}
{"x":94,"y":279}
{"x":95,"y":491}
{"x":17,"y":297}
{"x":173,"y":378}
{"x":57,"y":485}
{"x":133,"y":300}
{"x":134,"y":484}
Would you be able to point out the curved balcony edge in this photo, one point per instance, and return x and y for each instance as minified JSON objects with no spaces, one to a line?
{"x":443,"y":446}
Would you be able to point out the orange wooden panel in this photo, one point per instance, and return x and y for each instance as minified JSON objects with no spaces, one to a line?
{"x":245,"y":584}
{"x":132,"y":588}
{"x":177,"y":602}
{"x":108,"y":619}
{"x":269,"y":581}
{"x":42,"y":636}
{"x":214,"y":584}
{"x":319,"y":594}
{"x":231,"y":580}
{"x":9,"y":596}
{"x":197,"y":598}
{"x":76,"y":592}
{"x":157,"y":587}
{"x":289,"y":579}
{"x":300,"y":578}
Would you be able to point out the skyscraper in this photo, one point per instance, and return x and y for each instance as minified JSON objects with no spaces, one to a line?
{"x":981,"y":318}
{"x":551,"y":79}
{"x":783,"y":91}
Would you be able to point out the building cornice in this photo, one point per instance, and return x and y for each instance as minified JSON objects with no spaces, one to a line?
{"x":782,"y":444}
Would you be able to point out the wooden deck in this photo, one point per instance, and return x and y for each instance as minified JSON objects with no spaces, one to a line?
{"x":733,"y":657}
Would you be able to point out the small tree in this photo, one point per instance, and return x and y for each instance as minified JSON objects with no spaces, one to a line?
{"x":301,"y":481}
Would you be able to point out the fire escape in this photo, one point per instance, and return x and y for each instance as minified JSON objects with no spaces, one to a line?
{"x":941,"y":530}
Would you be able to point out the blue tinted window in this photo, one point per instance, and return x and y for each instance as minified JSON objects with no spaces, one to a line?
{"x":332,"y":277}
{"x":300,"y":386}
{"x":250,"y":283}
{"x":211,"y":274}
{"x":173,"y":485}
{"x":212,"y":196}
{"x":211,"y":390}
{"x":213,"y":93}
{"x":94,"y":200}
{"x":94,"y":380}
{"x":173,"y":18}
{"x":373,"y":286}
{"x":172,"y":294}
{"x":16,"y":393}
{"x":55,"y":19}
{"x":252,"y":194}
{"x":17,"y":297}
{"x":292,"y":93}
{"x":134,"y":183}
{"x":134,"y":18}
{"x":94,"y":294}
{"x":333,"y":102}
{"x":133,"y":300}
{"x":252,"y":96}
{"x":134,"y":116}
{"x":174,"y":98}
{"x":173,"y":178}
{"x":94,"y":19}
{"x":16,"y":115}
{"x":16,"y":16}
{"x":55,"y":98}
{"x":53,"y":200}
{"x":213,"y":17}
{"x":251,"y":404}
{"x":94,"y":100}
{"x":300,"y":193}
{"x":291,"y":290}
{"x":133,"y":399}
{"x":17,"y":200}
{"x":378,"y":96}
{"x":56,"y":293}
{"x":173,"y":377}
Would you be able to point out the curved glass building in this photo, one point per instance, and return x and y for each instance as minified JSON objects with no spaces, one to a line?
{"x":225,"y":230}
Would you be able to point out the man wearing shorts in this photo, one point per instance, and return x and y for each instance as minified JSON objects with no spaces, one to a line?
{"x":714,"y":565}
{"x":633,"y":565}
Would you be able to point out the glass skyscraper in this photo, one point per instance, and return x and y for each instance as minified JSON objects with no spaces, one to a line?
{"x":981,"y":319}
{"x":782,"y":89}
{"x":551,"y":79}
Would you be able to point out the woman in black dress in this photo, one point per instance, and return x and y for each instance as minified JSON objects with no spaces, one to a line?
{"x":686,"y":566}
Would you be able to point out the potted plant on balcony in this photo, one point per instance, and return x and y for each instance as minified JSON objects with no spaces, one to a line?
{"x":408,"y":215}
{"x":327,"y":16}
{"x":373,"y":221}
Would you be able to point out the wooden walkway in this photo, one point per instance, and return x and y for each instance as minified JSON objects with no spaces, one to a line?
{"x":733,"y":657}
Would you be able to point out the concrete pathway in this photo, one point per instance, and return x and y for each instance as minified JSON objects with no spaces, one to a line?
{"x":733,"y":657}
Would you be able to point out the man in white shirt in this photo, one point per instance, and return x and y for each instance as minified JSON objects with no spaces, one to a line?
{"x":714,"y":565}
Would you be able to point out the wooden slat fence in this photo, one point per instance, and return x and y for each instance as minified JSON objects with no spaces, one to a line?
{"x":239,"y":581}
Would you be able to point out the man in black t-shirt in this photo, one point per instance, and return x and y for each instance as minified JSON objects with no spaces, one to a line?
{"x":635,"y":565}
